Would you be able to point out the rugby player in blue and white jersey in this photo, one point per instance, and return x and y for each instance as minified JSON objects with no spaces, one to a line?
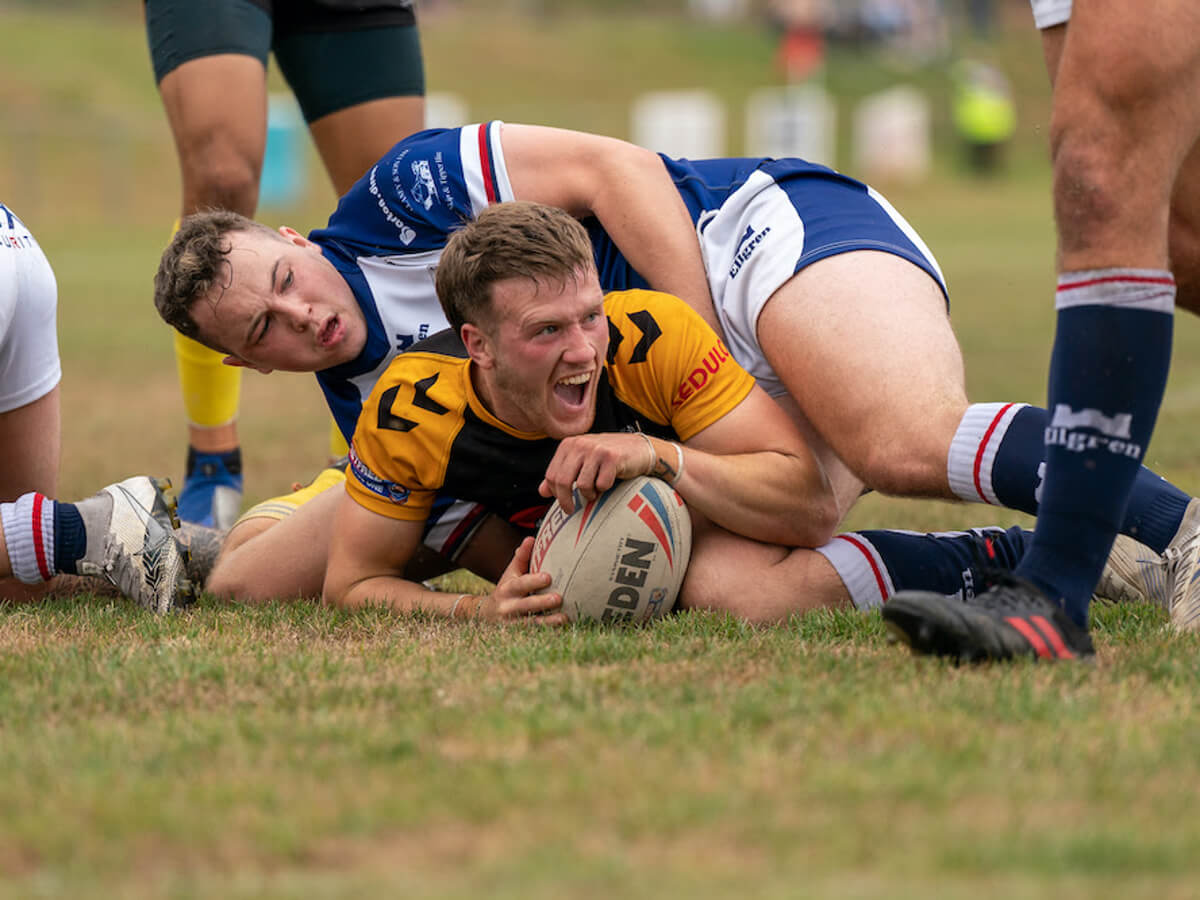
{"x":822,"y":291}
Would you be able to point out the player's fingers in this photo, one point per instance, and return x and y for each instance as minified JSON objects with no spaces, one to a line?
{"x":606,"y":475}
{"x":531,"y":605}
{"x":519,"y":587}
{"x":519,"y":564}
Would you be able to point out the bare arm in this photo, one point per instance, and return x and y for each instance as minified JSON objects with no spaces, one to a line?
{"x":367,"y":556}
{"x":750,"y":472}
{"x":627,"y":189}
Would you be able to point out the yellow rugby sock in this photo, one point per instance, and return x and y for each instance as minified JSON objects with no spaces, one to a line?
{"x":211,"y":389}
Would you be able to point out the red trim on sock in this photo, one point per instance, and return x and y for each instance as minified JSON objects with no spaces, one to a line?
{"x":39,"y":548}
{"x":861,"y":548}
{"x":1030,"y":634}
{"x":1109,"y":279}
{"x":987,"y":436}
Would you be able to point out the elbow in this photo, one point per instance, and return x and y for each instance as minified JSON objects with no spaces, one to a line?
{"x":815,"y":526}
{"x":822,"y":523}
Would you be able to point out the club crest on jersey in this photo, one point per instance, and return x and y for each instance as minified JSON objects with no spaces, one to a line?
{"x":388,"y":490}
{"x":423,"y":189}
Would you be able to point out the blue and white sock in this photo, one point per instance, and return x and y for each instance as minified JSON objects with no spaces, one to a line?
{"x":873,"y":565}
{"x":43,"y":537}
{"x":998,"y":457}
{"x":1112,"y":350}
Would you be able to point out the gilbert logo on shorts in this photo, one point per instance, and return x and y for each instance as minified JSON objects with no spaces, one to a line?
{"x":699,"y":377}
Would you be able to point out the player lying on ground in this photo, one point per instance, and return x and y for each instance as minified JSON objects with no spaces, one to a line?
{"x":123,"y":534}
{"x":822,"y":290}
{"x":545,"y":386}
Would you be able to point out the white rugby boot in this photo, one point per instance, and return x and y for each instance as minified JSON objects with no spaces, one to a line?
{"x":1183,"y":565}
{"x":1135,"y":573}
{"x":131,"y":543}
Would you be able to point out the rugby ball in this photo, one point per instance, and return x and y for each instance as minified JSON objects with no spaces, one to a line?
{"x":621,"y":558}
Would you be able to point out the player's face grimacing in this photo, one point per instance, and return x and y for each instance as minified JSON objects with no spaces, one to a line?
{"x":284,"y":307}
{"x":543,"y":353}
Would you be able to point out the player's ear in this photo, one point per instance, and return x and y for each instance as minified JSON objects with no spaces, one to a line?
{"x":293,"y":236}
{"x":479,"y":348}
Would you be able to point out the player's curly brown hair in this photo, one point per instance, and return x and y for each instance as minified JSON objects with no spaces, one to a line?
{"x":516,"y":239}
{"x":194,"y":263}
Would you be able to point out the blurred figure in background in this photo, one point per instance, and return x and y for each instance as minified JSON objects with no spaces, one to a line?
{"x":984,"y":115}
{"x":357,"y":73}
{"x":122,"y":534}
{"x":801,"y":25}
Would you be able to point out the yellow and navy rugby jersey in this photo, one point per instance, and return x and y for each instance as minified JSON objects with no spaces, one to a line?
{"x":424,"y":430}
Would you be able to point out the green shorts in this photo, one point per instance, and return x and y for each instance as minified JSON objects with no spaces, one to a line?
{"x":333,"y":53}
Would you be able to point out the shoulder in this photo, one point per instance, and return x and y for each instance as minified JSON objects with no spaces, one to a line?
{"x":640,"y":319}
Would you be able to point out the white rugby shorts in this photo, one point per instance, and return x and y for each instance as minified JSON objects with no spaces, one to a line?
{"x":29,"y":362}
{"x":776,"y":223}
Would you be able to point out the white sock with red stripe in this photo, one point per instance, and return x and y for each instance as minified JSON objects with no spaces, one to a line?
{"x":976,"y":449}
{"x":29,"y":534}
{"x":874,"y":565}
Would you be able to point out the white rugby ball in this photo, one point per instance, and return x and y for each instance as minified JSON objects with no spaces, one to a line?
{"x":620,"y":558}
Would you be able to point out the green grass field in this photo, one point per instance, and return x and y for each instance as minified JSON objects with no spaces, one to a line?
{"x":292,"y":751}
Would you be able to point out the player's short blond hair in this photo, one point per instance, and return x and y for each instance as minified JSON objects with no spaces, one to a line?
{"x":517,"y":239}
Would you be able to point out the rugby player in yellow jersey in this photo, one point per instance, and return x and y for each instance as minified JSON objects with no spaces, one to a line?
{"x":543,"y":385}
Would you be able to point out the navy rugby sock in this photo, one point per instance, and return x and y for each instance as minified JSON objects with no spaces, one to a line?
{"x":1112,"y":350}
{"x":873,"y":565}
{"x":998,"y":457}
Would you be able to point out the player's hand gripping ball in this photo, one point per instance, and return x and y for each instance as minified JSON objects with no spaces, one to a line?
{"x":620,"y":558}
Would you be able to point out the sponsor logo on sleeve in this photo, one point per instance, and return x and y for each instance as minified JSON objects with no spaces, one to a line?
{"x":403,"y":229}
{"x":700,"y":376}
{"x":391,"y":491}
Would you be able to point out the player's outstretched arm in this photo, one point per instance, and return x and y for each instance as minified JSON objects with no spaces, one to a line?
{"x":367,"y":556}
{"x":627,"y":188}
{"x":751,"y":472}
